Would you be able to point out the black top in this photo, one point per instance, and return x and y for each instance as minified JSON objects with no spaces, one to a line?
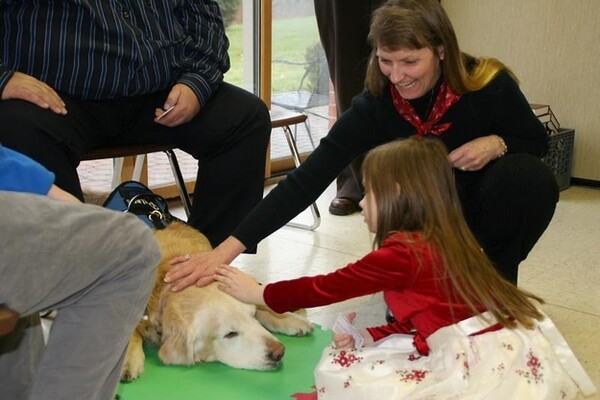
{"x":500,"y":108}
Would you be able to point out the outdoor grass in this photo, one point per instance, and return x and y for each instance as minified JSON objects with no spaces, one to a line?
{"x":291,"y":38}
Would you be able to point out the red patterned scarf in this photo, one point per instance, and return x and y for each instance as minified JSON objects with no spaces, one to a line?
{"x":445,"y":98}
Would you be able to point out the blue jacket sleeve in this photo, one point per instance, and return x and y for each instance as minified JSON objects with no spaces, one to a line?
{"x":19,"y":173}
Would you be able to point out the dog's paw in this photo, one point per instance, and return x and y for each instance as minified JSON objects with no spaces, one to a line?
{"x":291,"y":324}
{"x":131,"y":373}
{"x":297,"y":326}
{"x":133,"y":367}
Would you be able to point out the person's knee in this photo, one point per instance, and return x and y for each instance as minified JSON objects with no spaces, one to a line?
{"x":251,"y":110}
{"x":259,"y":114}
{"x":143,"y":248}
{"x":520,"y":178}
{"x":25,"y":119}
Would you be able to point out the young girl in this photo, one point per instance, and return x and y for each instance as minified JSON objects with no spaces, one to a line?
{"x":473,"y":335}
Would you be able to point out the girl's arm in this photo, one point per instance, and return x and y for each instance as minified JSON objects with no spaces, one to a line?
{"x":388,"y":268}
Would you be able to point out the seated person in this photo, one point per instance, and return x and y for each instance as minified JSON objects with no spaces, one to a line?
{"x":110,"y":83}
{"x":95,"y":266}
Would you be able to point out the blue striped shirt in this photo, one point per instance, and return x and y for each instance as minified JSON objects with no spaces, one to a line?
{"x":105,"y":49}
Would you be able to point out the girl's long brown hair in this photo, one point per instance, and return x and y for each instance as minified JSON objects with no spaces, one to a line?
{"x":417,"y":24}
{"x":415,"y":191}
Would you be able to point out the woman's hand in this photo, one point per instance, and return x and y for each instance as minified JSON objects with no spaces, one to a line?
{"x":476,"y":154}
{"x":199,"y":268}
{"x":240,"y":285}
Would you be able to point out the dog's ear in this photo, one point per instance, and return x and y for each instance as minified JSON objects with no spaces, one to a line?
{"x":176,"y":350}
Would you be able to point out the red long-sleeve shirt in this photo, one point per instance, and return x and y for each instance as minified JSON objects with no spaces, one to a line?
{"x":404,"y":272}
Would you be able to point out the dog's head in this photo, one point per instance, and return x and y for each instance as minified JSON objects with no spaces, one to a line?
{"x":205,"y":324}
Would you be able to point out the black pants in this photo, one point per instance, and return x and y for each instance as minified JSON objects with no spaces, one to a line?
{"x":509,"y":207}
{"x":343,"y":29}
{"x":228,"y":137}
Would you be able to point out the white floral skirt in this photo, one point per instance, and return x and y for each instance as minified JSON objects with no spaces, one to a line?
{"x":504,"y":364}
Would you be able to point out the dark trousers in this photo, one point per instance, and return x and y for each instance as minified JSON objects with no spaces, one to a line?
{"x":343,"y":29}
{"x":228,"y":137}
{"x":509,"y":207}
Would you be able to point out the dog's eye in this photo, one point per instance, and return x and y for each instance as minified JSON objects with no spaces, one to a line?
{"x":231,"y":335}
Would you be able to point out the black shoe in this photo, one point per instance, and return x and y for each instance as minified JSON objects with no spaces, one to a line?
{"x":343,"y":206}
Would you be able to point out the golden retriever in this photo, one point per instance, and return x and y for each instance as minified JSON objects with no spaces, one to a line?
{"x":200,"y":324}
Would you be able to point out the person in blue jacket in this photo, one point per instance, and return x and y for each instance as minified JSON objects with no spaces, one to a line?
{"x":96,"y":267}
{"x":20,"y":173}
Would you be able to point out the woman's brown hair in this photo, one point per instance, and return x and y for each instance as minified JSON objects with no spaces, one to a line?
{"x":415,"y":192}
{"x":418,"y":24}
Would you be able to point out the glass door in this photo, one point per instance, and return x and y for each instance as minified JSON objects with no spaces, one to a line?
{"x":299,"y":76}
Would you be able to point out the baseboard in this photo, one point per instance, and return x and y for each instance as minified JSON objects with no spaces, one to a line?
{"x":585,"y":182}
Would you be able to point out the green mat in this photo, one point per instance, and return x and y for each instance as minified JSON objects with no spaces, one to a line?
{"x":216,"y":381}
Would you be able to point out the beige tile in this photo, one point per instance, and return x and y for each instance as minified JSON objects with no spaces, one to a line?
{"x":564,"y":266}
{"x":580,"y":330}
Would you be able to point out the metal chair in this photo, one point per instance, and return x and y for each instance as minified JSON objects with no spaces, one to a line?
{"x":284,"y":119}
{"x":305,"y":98}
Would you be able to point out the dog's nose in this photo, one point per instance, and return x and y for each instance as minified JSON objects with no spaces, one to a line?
{"x":275,"y":350}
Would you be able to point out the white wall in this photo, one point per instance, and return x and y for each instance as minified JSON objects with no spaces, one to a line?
{"x":553,"y":46}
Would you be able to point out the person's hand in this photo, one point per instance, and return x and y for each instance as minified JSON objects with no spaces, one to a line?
{"x":57,"y":193}
{"x":346,"y":341}
{"x":240,"y":285}
{"x":199,"y":268}
{"x":25,"y":87}
{"x":476,"y":154}
{"x":185,"y":106}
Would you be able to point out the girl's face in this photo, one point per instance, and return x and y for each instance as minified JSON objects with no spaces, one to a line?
{"x":412,"y":72}
{"x":369,"y":209}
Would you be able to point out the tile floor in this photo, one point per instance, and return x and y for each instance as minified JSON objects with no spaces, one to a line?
{"x":563,"y":268}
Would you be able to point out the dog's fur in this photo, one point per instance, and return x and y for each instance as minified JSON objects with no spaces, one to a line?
{"x":201,"y":324}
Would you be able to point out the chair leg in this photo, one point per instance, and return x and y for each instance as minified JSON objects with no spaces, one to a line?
{"x":117,"y":171}
{"x":296,"y":157}
{"x":138,"y":167}
{"x":179,"y":181}
{"x":310,"y":138}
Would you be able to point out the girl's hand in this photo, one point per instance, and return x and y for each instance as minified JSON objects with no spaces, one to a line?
{"x":343,"y":341}
{"x":347,"y":341}
{"x":239,"y":285}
